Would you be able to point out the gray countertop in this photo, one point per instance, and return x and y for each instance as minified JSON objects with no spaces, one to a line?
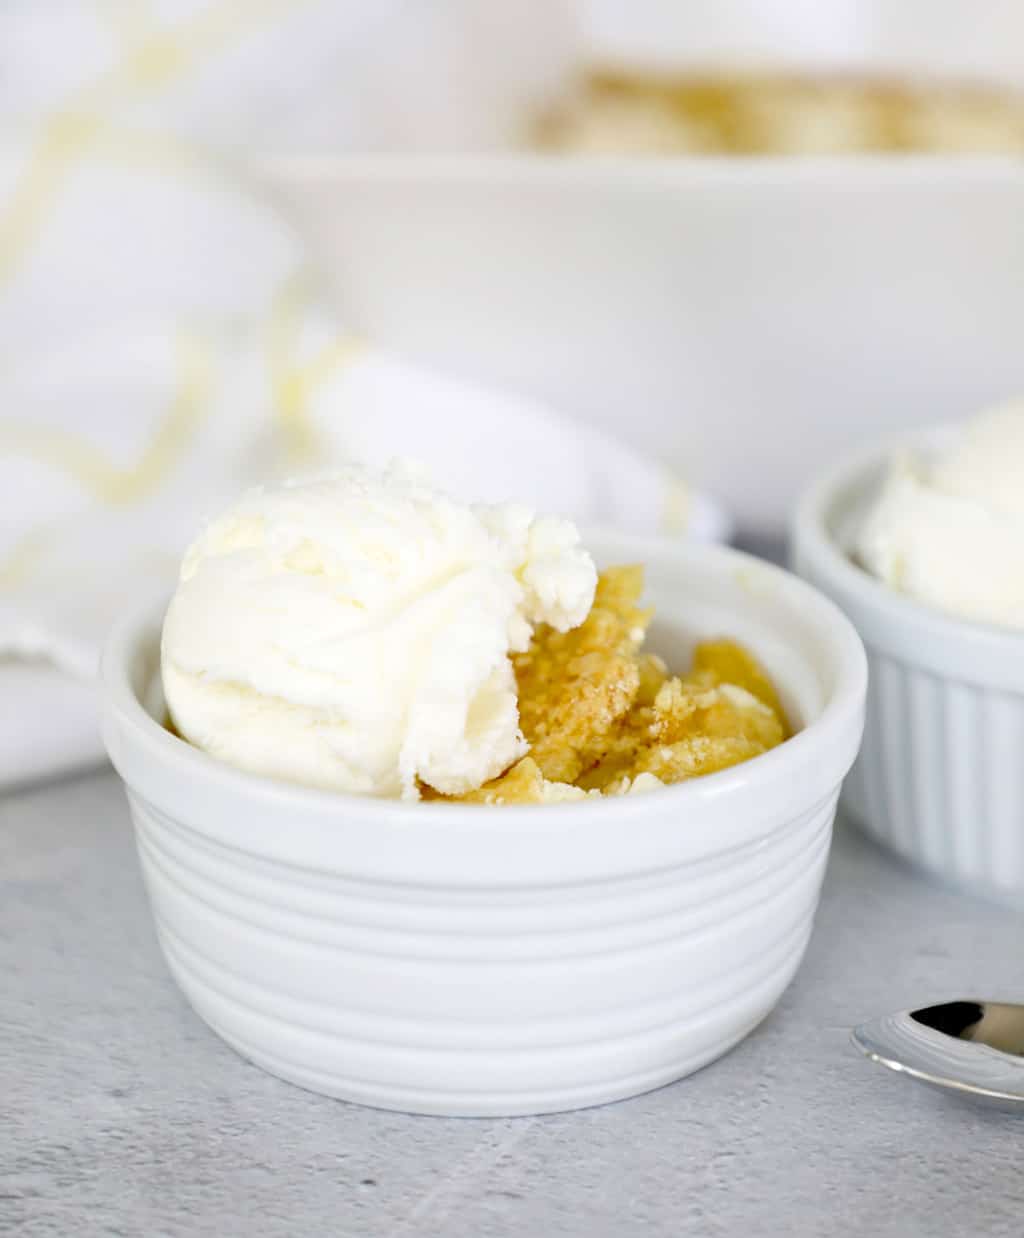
{"x":122,"y":1115}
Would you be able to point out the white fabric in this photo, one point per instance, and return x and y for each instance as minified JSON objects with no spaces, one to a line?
{"x":165,"y":344}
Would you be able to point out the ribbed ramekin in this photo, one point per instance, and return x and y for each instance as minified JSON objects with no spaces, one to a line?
{"x":455,"y":959}
{"x":940,"y":776}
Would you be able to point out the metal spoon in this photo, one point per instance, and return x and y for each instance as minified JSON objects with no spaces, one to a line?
{"x":971,"y":1047}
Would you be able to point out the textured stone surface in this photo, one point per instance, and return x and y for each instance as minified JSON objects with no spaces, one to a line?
{"x":122,"y":1115}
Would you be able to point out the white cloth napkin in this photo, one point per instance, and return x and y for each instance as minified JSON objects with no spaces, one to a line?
{"x":126,"y":442}
{"x":165,"y":344}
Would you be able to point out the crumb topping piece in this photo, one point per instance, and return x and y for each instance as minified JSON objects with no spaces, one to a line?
{"x":602,"y":717}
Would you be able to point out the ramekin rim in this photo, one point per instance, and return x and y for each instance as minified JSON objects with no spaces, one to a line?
{"x":517,"y":167}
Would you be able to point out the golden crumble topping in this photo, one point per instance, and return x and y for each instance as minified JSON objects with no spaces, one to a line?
{"x":604,"y":718}
{"x":575,"y":686}
{"x":623,"y":112}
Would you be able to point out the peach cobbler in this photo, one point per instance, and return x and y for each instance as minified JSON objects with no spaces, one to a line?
{"x":633,"y":112}
{"x":602,"y":717}
{"x":364,"y":632}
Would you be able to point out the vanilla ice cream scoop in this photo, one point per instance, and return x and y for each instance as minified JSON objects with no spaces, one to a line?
{"x":948,"y":529}
{"x":353,"y":633}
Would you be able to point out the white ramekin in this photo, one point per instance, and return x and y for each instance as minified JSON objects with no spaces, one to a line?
{"x":456,"y":959}
{"x":940,"y":778}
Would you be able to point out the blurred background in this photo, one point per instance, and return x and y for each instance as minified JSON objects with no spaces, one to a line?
{"x":649,"y":262}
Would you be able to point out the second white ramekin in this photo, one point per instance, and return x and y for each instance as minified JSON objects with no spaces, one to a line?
{"x":458,"y":959}
{"x":940,"y":776}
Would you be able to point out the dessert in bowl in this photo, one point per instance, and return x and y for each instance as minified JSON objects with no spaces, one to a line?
{"x":502,"y":957}
{"x":628,"y":111}
{"x":920,"y":540}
